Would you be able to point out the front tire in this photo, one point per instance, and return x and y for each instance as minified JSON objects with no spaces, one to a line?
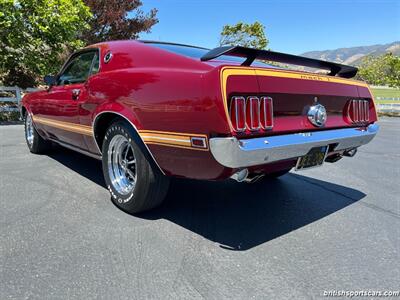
{"x":134,"y":184}
{"x":35,"y":142}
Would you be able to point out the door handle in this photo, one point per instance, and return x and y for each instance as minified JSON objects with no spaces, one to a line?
{"x":75,"y":94}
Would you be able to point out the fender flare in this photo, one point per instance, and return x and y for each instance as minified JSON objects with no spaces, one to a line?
{"x":138,"y":139}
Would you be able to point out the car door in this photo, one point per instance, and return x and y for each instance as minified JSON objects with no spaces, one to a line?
{"x":64,"y":100}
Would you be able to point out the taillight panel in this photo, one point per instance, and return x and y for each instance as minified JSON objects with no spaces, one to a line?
{"x":358,"y":111}
{"x":252,"y":113}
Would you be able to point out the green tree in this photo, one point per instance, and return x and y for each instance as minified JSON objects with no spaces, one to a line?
{"x":381,"y":70}
{"x":243,"y":34}
{"x":34,"y":34}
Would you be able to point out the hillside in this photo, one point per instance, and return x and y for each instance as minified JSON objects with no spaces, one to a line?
{"x":354,"y":55}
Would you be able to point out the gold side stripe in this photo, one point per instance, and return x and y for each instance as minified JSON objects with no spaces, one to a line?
{"x":173,"y":133}
{"x":176,"y":146}
{"x":77,"y":128}
{"x":164,"y":135}
{"x":164,"y":138}
{"x":62,"y":122}
{"x":173,"y":139}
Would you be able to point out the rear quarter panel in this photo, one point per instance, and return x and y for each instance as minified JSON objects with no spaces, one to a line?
{"x":168,"y":100}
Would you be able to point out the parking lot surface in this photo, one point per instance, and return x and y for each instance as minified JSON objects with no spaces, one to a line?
{"x":331,"y":228}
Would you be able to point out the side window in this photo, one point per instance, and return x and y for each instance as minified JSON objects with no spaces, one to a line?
{"x":96,"y":64}
{"x":77,"y":70}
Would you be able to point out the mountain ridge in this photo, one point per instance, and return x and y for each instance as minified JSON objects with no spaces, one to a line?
{"x":354,"y":55}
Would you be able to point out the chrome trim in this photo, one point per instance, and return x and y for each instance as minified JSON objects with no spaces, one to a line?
{"x":249,"y":101}
{"x":202,"y":139}
{"x":317,"y":115}
{"x":134,"y":127}
{"x":107,"y":57}
{"x":355,"y":111}
{"x":29,"y":130}
{"x":360,"y":111}
{"x":264,"y":100}
{"x":366,"y":107}
{"x":237,"y":129}
{"x":121,"y":162}
{"x":34,"y":126}
{"x":350,"y":152}
{"x":241,"y":175}
{"x":77,"y":53}
{"x":254,"y":178}
{"x":233,"y":153}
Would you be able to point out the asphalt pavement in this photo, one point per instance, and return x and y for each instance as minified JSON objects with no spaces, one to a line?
{"x":331,"y":228}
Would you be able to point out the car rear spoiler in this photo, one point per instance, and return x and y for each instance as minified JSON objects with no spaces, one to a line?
{"x":252,"y":54}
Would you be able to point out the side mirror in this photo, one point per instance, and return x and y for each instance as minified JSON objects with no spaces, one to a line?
{"x":50,"y":80}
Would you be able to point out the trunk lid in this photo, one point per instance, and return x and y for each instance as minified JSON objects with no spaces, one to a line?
{"x":293,"y":93}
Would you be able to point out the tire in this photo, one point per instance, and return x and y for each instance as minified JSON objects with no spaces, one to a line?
{"x":35,"y":142}
{"x":133,"y":181}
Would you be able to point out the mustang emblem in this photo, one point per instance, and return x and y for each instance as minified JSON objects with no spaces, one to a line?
{"x":317,"y":115}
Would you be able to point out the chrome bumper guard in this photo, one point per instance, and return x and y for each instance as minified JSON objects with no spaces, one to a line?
{"x":233,"y":153}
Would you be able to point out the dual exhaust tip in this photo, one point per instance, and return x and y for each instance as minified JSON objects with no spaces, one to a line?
{"x":244,"y":176}
{"x":350,"y":152}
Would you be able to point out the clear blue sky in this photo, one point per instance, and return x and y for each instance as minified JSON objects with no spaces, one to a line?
{"x":291,"y":26}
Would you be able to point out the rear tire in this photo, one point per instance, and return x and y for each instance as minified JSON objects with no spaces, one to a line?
{"x":134,"y":184}
{"x":35,"y":142}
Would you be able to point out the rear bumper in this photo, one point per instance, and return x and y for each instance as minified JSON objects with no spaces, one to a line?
{"x":233,"y":153}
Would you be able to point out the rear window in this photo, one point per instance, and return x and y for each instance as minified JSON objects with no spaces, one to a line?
{"x":197,"y":53}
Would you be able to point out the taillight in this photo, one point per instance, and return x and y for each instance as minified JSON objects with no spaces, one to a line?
{"x":358,"y":111}
{"x":267,"y":113}
{"x":237,"y":113}
{"x":253,"y":113}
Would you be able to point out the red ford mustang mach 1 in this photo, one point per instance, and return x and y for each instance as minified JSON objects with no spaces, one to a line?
{"x":152,"y":110}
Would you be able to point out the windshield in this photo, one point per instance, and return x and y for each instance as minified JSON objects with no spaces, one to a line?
{"x":197,"y":53}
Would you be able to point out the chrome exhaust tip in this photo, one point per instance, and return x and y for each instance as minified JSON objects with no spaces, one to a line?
{"x":254,"y":178}
{"x":350,"y":153}
{"x":241,"y":175}
{"x":334,"y":158}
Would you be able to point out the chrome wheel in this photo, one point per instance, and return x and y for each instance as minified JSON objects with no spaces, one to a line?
{"x":29,"y":134}
{"x":121,"y":164}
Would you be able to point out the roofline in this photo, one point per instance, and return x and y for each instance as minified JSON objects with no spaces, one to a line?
{"x":169,"y":43}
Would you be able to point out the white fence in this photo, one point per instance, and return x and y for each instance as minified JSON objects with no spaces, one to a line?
{"x":393,"y":108}
{"x":388,"y":98}
{"x":18,"y":93}
{"x":14,"y":96}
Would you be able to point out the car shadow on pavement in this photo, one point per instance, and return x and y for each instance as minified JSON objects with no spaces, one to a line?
{"x":237,"y":216}
{"x":240,"y":216}
{"x":86,"y":166}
